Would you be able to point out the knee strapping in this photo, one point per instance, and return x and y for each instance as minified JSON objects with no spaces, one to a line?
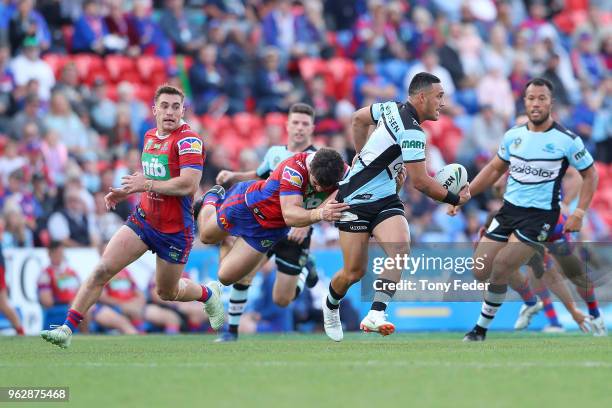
{"x":182,"y":285}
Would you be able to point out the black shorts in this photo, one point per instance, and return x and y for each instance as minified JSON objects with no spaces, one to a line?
{"x":530,"y":225}
{"x":291,"y":256}
{"x":365,"y":217}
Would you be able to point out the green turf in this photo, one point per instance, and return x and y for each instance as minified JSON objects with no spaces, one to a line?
{"x":416,"y":370}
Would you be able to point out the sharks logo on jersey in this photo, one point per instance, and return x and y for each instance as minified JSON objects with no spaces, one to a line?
{"x":537,"y":163}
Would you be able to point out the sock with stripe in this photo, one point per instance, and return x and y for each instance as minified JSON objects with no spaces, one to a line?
{"x":588,"y":295}
{"x":73,"y":319}
{"x":301,"y":282}
{"x":526,"y":293}
{"x":333,"y":298}
{"x":549,"y":309}
{"x":237,"y":303}
{"x":382,"y":297}
{"x":206,"y":294}
{"x":494,"y":297}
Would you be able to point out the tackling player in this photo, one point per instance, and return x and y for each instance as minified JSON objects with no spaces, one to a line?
{"x":260,"y":212}
{"x":397,"y":143}
{"x":537,"y":155}
{"x":291,"y":253}
{"x":172,"y":162}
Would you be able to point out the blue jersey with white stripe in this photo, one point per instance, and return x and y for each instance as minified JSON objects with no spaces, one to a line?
{"x":397,"y":139}
{"x":537,"y":163}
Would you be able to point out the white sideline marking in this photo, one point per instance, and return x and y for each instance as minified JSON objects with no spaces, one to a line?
{"x":369,"y":363}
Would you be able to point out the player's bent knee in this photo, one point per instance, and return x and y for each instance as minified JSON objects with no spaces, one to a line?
{"x":101,"y":274}
{"x":225,"y":280}
{"x":167,"y":294}
{"x":281,"y":300}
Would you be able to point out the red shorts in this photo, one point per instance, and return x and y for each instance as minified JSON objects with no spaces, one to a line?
{"x":2,"y":279}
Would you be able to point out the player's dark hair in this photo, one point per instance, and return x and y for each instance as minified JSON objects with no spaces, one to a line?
{"x":168,"y":90}
{"x":540,"y":82}
{"x":55,"y":244}
{"x":302,"y":108}
{"x":327,"y":167}
{"x":422,"y":81}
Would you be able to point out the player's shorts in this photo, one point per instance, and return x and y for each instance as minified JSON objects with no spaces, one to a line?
{"x":171,"y":247}
{"x":2,"y":278}
{"x":365,"y":217}
{"x":291,"y":257}
{"x":530,"y":225}
{"x":234,"y":217}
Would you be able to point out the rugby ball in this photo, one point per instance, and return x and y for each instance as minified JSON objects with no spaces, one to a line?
{"x":452,"y":177}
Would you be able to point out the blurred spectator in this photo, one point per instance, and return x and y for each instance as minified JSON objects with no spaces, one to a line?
{"x":138,"y":110}
{"x":123,"y":136}
{"x":551,"y":73}
{"x":370,"y":86}
{"x":123,"y":294}
{"x":294,"y":35}
{"x":499,"y":52}
{"x":208,"y":83}
{"x":31,"y":113}
{"x":588,"y":65}
{"x":121,"y":31}
{"x":69,"y":84}
{"x":72,"y":225}
{"x":55,"y":155}
{"x":27,"y":22}
{"x":470,"y":47}
{"x":16,"y":233}
{"x":150,"y":38}
{"x":430,"y":63}
{"x":273,"y":90}
{"x":376,"y":35}
{"x":27,"y":65}
{"x":7,"y":86}
{"x":602,"y":126}
{"x":90,"y":30}
{"x":494,"y":89}
{"x":485,"y":136}
{"x":107,"y":222}
{"x":319,"y":98}
{"x":449,"y":59}
{"x":606,"y":51}
{"x":58,"y":285}
{"x":62,"y":119}
{"x":10,"y":160}
{"x":181,"y":28}
{"x":103,"y":109}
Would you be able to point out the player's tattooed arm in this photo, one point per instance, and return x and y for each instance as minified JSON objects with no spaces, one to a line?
{"x":361,"y":122}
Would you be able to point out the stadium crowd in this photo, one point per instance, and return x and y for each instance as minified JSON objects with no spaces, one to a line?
{"x":77,"y":80}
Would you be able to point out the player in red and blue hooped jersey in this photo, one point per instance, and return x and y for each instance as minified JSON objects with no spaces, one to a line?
{"x":260,"y":213}
{"x":172,"y":162}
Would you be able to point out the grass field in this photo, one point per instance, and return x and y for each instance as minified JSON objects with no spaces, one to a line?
{"x":418,"y":370}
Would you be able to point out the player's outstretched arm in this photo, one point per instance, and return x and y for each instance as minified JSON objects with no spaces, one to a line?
{"x":183,"y":185}
{"x":417,"y":172}
{"x":361,"y":122}
{"x":587,"y":190}
{"x":296,"y":216}
{"x":231,"y":177}
{"x":488,"y":175}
